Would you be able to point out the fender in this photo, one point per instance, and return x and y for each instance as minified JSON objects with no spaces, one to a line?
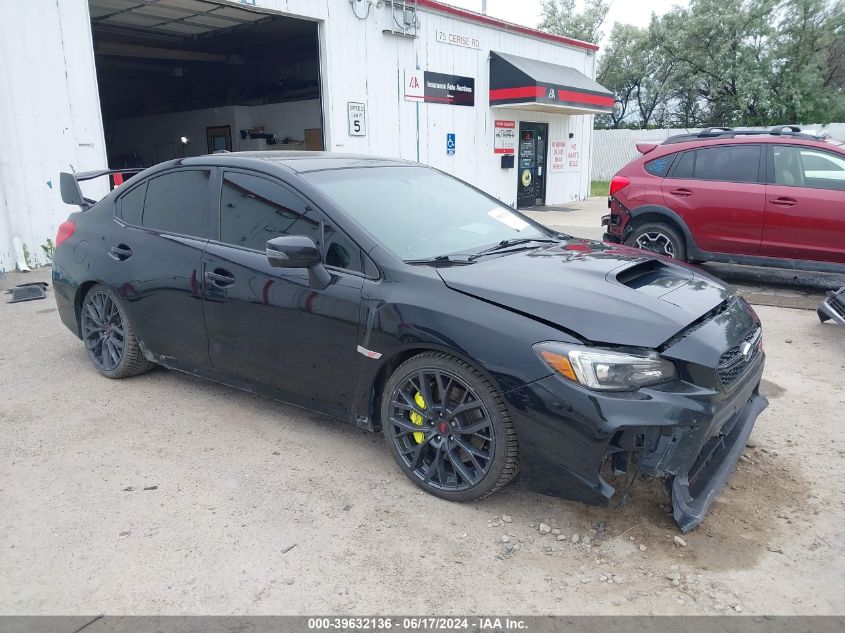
{"x":654,"y":209}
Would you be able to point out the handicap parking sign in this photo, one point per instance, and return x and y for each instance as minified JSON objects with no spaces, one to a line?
{"x":450,"y":143}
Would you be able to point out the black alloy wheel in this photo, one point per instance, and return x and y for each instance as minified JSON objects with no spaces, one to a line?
{"x":102,"y":330}
{"x":108,"y":335}
{"x":448,"y":428}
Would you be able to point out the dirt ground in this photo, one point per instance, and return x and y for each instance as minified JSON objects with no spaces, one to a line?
{"x":166,"y":494}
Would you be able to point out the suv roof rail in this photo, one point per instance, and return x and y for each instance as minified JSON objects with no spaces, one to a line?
{"x":707,"y":133}
{"x":785,"y":129}
{"x":711,"y":131}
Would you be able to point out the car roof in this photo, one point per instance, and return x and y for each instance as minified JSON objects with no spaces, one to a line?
{"x":664,"y":149}
{"x":303,"y":162}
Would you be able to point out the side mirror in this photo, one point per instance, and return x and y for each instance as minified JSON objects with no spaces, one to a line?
{"x":299,"y":251}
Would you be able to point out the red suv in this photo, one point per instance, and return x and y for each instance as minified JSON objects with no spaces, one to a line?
{"x":774,"y":198}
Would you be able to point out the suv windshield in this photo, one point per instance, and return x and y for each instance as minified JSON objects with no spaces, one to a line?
{"x":420,"y":213}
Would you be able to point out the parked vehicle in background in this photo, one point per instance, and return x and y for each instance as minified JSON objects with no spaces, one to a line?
{"x":400,"y":299}
{"x":771,"y":198}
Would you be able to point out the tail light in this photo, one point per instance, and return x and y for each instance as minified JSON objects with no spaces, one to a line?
{"x":618,"y":182}
{"x":66,"y":229}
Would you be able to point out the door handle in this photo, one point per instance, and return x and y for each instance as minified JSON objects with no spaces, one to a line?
{"x":683,"y":192}
{"x":120,"y":252}
{"x":220,"y":277}
{"x":784,"y":201}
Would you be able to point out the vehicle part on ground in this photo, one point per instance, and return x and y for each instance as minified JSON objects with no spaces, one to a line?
{"x":109,"y":337}
{"x":833,"y":307}
{"x":448,"y":428}
{"x":26,"y":293}
{"x":658,"y":238}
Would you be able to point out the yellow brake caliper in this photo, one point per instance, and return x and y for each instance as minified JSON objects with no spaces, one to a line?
{"x":417,"y":419}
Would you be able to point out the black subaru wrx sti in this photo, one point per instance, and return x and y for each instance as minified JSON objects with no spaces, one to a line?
{"x":401,"y":299}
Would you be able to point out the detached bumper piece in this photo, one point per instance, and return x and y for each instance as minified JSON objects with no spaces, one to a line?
{"x":27,"y":292}
{"x":833,"y":308}
{"x":699,"y":460}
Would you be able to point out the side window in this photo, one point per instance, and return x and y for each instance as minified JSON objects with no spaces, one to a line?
{"x":660,"y":166}
{"x":254,"y":210}
{"x":132,"y":205}
{"x":728,"y":163}
{"x":685,"y":166}
{"x":805,"y":167}
{"x":341,"y":252}
{"x":178,"y":203}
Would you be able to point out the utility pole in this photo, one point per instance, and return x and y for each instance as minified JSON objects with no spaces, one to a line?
{"x":484,"y":7}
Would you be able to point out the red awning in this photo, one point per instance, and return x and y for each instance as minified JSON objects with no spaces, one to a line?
{"x":535,"y":85}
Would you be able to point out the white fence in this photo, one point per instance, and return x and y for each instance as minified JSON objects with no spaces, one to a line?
{"x":613,"y":149}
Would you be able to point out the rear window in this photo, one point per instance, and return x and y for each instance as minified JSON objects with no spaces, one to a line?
{"x":132,"y":205}
{"x":178,"y":203}
{"x":727,"y":163}
{"x":660,"y":166}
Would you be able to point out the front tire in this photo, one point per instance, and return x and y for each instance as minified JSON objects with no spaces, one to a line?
{"x":109,"y":336}
{"x":448,"y":428}
{"x":659,"y":238}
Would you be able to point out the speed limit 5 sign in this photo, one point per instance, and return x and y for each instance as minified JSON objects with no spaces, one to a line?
{"x":357,"y":119}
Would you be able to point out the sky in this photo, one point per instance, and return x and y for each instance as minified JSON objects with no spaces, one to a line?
{"x":527,"y":12}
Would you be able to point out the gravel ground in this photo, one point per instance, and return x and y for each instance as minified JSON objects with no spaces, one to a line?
{"x":167,"y":494}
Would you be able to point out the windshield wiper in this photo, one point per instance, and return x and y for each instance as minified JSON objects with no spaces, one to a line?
{"x":443,"y":260}
{"x":517,"y":241}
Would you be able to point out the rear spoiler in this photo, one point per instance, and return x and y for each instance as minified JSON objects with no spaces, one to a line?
{"x":72,"y":194}
{"x":645,"y":148}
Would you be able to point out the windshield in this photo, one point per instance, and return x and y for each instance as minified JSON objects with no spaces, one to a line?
{"x":420,"y":213}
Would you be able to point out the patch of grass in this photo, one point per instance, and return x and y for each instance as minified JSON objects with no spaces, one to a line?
{"x":599,"y":187}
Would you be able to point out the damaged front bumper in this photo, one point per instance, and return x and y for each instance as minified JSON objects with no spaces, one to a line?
{"x":698,"y":460}
{"x":689,"y":435}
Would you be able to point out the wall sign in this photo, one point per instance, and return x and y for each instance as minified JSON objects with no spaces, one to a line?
{"x":558,"y":156}
{"x":357,"y":119}
{"x":565,"y":156}
{"x":450,"y":143}
{"x":573,"y":157}
{"x":423,"y":85}
{"x":458,"y":39}
{"x":504,"y":137}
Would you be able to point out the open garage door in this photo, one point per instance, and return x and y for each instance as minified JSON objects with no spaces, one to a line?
{"x":189,"y":77}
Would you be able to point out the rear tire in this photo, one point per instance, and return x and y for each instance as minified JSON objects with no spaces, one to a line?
{"x":448,"y":428}
{"x":660,"y":238}
{"x":109,"y":336}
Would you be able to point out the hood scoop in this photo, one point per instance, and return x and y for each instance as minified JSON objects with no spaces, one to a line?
{"x":653,"y":276}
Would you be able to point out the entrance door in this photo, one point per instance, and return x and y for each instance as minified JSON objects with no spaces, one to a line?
{"x":531,"y":175}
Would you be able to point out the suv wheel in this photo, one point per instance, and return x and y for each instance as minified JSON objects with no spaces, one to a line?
{"x":659,"y":238}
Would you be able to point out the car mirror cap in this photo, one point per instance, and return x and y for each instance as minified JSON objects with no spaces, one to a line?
{"x":293,"y":251}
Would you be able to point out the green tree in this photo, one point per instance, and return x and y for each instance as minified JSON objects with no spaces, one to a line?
{"x":561,"y":18}
{"x":657,"y":70}
{"x":808,"y":72}
{"x":721,"y":49}
{"x":620,"y":71}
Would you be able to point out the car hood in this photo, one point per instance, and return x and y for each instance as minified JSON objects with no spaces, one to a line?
{"x":602,"y":293}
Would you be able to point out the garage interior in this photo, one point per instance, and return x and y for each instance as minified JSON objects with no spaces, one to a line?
{"x":188,"y":77}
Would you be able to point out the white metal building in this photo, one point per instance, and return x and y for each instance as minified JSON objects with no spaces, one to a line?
{"x":86,"y":84}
